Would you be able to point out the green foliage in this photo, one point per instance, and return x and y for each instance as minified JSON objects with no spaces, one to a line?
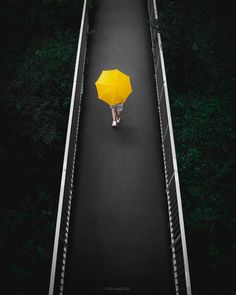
{"x":205,"y":139}
{"x":26,"y":241}
{"x":38,"y":56}
{"x":199,"y":53}
{"x":26,"y":18}
{"x":39,"y":95}
{"x":197,"y":45}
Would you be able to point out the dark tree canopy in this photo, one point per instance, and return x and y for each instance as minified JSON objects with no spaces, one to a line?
{"x":37,"y":57}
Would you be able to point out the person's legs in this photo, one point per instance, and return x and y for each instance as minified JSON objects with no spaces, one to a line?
{"x":116,"y":111}
{"x":114,"y":114}
{"x":118,"y":115}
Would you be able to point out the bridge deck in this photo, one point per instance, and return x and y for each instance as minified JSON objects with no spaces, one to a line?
{"x":119,"y":239}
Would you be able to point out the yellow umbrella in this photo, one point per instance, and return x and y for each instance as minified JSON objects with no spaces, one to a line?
{"x":113,"y":86}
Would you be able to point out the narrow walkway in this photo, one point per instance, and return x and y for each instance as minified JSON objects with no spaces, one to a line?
{"x":119,"y":236}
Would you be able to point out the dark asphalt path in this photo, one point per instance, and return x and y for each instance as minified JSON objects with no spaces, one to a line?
{"x":119,"y":236}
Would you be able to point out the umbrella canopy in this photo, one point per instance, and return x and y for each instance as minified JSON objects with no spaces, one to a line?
{"x":113,"y":86}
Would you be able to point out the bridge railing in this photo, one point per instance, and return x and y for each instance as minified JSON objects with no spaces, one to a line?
{"x":176,"y":221}
{"x":58,"y":266}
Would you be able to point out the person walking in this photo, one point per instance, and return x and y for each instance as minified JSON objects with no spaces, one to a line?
{"x":116,"y":112}
{"x":114,"y":87}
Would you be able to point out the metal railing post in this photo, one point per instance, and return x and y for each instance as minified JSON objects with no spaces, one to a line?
{"x":79,"y":64}
{"x":176,"y":220}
